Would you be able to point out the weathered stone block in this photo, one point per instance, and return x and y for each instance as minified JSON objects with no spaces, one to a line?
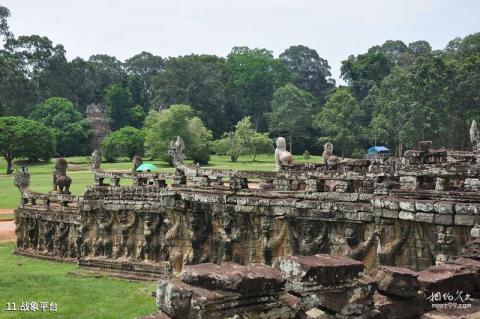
{"x":406,"y":215}
{"x":408,"y":205}
{"x":319,"y":269}
{"x":444,"y":207}
{"x":409,"y":182}
{"x":424,"y":206}
{"x":401,"y":282}
{"x":232,"y":276}
{"x":424,"y":217}
{"x":472,"y":184}
{"x":467,"y":208}
{"x":447,"y":278}
{"x":391,"y":203}
{"x":442,"y":219}
{"x":399,"y":308}
{"x":464,"y":220}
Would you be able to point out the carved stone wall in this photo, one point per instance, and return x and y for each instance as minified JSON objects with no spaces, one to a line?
{"x":379,"y":213}
{"x":48,"y":227}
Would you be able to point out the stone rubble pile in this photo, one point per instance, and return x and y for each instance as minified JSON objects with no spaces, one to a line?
{"x":313,"y":287}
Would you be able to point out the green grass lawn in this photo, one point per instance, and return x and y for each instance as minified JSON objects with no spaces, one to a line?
{"x":79,"y":171}
{"x":33,"y":280}
{"x":6,"y":216}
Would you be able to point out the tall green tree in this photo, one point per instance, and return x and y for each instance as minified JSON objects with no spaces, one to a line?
{"x":22,"y":138}
{"x":255,"y":74}
{"x":243,"y":141}
{"x":72,"y":131}
{"x":119,"y":102}
{"x":142,"y":69}
{"x":310,"y":72}
{"x":178,"y":120}
{"x":127,"y":141}
{"x":364,"y":71}
{"x":292,"y":111}
{"x":339,"y":120}
{"x":196,"y":80}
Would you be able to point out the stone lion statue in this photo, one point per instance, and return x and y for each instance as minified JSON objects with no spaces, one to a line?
{"x":282,"y":156}
{"x":328,"y":157}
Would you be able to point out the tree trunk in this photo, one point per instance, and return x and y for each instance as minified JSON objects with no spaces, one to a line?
{"x":9,"y":165}
{"x":254,"y":156}
{"x":258,"y":116}
{"x":342,"y":152}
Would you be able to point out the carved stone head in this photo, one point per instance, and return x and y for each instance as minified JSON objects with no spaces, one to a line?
{"x":351,"y":236}
{"x":328,"y":148}
{"x":281,"y":144}
{"x":61,"y":167}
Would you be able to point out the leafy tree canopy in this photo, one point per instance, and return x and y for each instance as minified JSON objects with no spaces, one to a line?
{"x":292,"y":111}
{"x":23,"y":138}
{"x":243,"y":141}
{"x":127,"y":141}
{"x":339,"y":120}
{"x":178,"y":120}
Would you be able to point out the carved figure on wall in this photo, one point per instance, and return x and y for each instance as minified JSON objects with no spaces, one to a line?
{"x":151,"y":245}
{"x":32,"y":234}
{"x":231,"y":233}
{"x":388,"y":248}
{"x":48,"y":232}
{"x":74,"y":242}
{"x":86,"y":246}
{"x":314,"y":238}
{"x":327,"y":155}
{"x":282,"y":156}
{"x":175,"y":253}
{"x":103,"y":245}
{"x":356,"y":249}
{"x":20,"y":232}
{"x":127,"y":222}
{"x":96,"y":160}
{"x":61,"y":240}
{"x":221,"y":245}
{"x":199,"y":230}
{"x":269,"y":242}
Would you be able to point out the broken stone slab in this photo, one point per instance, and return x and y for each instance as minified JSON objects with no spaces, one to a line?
{"x":320,"y":269}
{"x":347,"y":299}
{"x":397,"y":281}
{"x":181,"y":300}
{"x":447,"y":278}
{"x":246,"y":280}
{"x":391,"y":307}
{"x":472,"y":249}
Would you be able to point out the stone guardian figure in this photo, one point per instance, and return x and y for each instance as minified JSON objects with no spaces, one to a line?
{"x":282,"y":156}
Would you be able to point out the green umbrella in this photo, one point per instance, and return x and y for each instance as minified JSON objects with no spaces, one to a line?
{"x":146,"y":167}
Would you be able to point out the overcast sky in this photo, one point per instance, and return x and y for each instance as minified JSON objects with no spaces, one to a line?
{"x":334,"y":28}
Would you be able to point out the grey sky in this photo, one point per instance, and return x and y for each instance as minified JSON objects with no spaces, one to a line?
{"x":335,"y":29}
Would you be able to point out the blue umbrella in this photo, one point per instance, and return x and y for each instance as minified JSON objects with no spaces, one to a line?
{"x":146,"y":167}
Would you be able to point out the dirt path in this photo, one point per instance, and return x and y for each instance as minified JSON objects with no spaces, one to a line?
{"x":6,"y":211}
{"x":7,"y":231}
